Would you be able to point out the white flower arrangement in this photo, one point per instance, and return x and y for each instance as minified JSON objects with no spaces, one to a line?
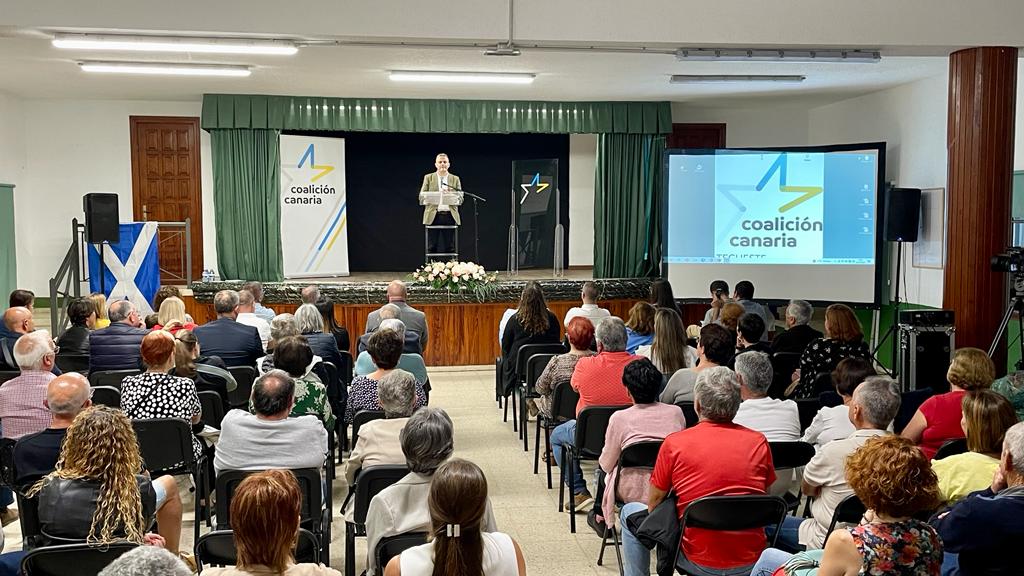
{"x":456,"y":276}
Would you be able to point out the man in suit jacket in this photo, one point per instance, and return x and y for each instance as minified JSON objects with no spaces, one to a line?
{"x":412,"y":339}
{"x":235,"y":343}
{"x":414,"y":320}
{"x":798,"y":332}
{"x":441,"y":241}
{"x":118,"y":346}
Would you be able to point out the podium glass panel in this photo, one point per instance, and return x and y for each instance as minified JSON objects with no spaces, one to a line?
{"x":536,"y":235}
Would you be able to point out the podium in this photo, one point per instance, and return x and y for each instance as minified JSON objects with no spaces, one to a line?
{"x":449,"y":198}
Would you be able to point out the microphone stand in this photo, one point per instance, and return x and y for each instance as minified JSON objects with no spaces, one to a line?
{"x":476,"y":225}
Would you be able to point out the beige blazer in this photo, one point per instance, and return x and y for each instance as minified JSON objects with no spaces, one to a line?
{"x":378,"y":444}
{"x":432,"y":184}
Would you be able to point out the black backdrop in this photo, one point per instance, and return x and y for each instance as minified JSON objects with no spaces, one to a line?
{"x":384,"y":171}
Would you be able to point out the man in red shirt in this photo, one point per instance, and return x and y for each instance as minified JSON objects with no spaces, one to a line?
{"x":598,"y":380}
{"x":714,"y":458}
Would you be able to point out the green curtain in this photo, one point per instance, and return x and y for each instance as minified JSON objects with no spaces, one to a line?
{"x":628,"y":205}
{"x":222,"y":111}
{"x":247,"y":209}
{"x":8,"y":255}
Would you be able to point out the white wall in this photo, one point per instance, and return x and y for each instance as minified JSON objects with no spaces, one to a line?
{"x":582,"y":166}
{"x":77,"y":146}
{"x":12,"y":144}
{"x":770,"y":125}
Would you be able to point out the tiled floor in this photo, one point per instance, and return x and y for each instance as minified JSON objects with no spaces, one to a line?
{"x":523,"y":506}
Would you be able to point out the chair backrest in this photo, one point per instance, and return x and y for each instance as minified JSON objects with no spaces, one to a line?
{"x":110,"y":378}
{"x":88,"y":560}
{"x":909,"y":403}
{"x":391,"y":546}
{"x":369,"y":482}
{"x":107,"y":396}
{"x":310,"y":484}
{"x":564,"y":400}
{"x":534,"y":366}
{"x":822,"y":382}
{"x":689,"y":413}
{"x":213,"y":408}
{"x":591,"y":424}
{"x":362,"y":417}
{"x":73,"y":363}
{"x":728,"y":513}
{"x":7,"y":355}
{"x":829,"y":399}
{"x":951,"y":448}
{"x":6,"y":375}
{"x":527,"y":350}
{"x":7,"y":474}
{"x":28,"y":517}
{"x":850,"y":510}
{"x":346,"y":368}
{"x":217,"y":548}
{"x":783,"y":365}
{"x":244,"y":376}
{"x":636,"y":455}
{"x":787,"y":455}
{"x":807,"y":408}
{"x":166,"y":445}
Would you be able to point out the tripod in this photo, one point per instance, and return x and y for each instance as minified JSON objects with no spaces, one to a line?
{"x":1016,"y":305}
{"x":894,"y":326}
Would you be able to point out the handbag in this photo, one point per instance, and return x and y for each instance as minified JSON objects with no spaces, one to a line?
{"x":803,"y":563}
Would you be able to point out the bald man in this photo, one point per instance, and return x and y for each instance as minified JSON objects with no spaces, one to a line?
{"x":414,"y":320}
{"x":35,"y":455}
{"x":17,"y":321}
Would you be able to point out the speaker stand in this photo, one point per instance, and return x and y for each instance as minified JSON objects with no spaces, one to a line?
{"x":103,"y":276}
{"x":891,"y":332}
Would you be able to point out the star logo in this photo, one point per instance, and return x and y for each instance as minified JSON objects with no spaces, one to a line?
{"x":535,"y":183}
{"x":324,"y":169}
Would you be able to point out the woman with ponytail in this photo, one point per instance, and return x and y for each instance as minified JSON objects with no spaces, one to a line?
{"x":457,"y":546}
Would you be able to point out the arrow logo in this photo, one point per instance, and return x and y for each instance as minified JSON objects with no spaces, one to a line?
{"x":541,"y":186}
{"x":780,"y":166}
{"x":324,"y":169}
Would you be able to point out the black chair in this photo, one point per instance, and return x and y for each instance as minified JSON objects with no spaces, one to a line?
{"x":110,"y":378}
{"x":362,"y":417}
{"x":315,"y":513}
{"x":951,"y":448}
{"x":6,"y":375}
{"x":788,"y":456}
{"x":783,"y":365}
{"x":107,"y":396}
{"x":807,"y":409}
{"x":87,"y":559}
{"x":166,"y":447}
{"x":217,"y":548}
{"x":245,"y":376}
{"x":73,"y":363}
{"x":823,"y":383}
{"x":830,"y":399}
{"x":346,"y":368}
{"x":591,"y":424}
{"x":369,"y":482}
{"x":535,"y":365}
{"x":522,"y":356}
{"x":213,"y":408}
{"x":728,"y":513}
{"x":391,"y":546}
{"x":689,"y":413}
{"x":563,"y":408}
{"x":850,"y":511}
{"x":638,"y":455}
{"x":909,"y":403}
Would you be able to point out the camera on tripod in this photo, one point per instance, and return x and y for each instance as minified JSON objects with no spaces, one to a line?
{"x":1010,"y":260}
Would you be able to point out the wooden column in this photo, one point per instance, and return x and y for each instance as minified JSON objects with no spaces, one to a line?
{"x":982,"y":88}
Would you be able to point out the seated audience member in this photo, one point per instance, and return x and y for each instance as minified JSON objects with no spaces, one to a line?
{"x":778,"y":420}
{"x":938,"y":418}
{"x":874,"y":405}
{"x":986,"y":418}
{"x":267,"y":437}
{"x":172,"y":316}
{"x":639,"y":326}
{"x":117,"y":346}
{"x":311,"y":325}
{"x":100,"y":302}
{"x":669,"y":352}
{"x":310,"y":294}
{"x":75,"y":340}
{"x":96,"y":492}
{"x":560,"y":368}
{"x":415,"y":321}
{"x":894,"y":481}
{"x":744,"y":296}
{"x":833,"y":422}
{"x":662,"y":297}
{"x":715,"y":348}
{"x":236,"y":344}
{"x":378,"y":441}
{"x":23,"y":298}
{"x":247,"y":315}
{"x":1012,"y":387}
{"x":265,"y":513}
{"x":981,"y":533}
{"x":843,"y":339}
{"x":719,"y":298}
{"x":17,"y":322}
{"x":163,"y":293}
{"x":409,"y":362}
{"x":385,"y":351}
{"x":157,"y":394}
{"x":798,"y":332}
{"x":294,"y":356}
{"x":151,"y":321}
{"x":748,"y":335}
{"x":646,"y":420}
{"x":22,"y":398}
{"x":730,"y":318}
{"x":281,"y":327}
{"x":392,"y":312}
{"x":147,"y":560}
{"x":598,"y":380}
{"x":459,"y":544}
{"x":532,"y":324}
{"x":35,"y":455}
{"x":256,"y":289}
{"x":589,"y":310}
{"x":208,"y":372}
{"x":717,"y":456}
{"x":331,"y":326}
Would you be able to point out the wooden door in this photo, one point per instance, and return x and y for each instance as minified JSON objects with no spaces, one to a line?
{"x":166,"y":188}
{"x":697,"y":136}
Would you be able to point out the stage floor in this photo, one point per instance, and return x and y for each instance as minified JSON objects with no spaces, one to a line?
{"x":539,"y":274}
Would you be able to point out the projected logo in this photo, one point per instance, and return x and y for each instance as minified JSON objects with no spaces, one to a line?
{"x":536,"y":185}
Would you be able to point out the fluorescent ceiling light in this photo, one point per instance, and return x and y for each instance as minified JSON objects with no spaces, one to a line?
{"x":174,"y":44}
{"x":715,"y":78}
{"x":780,"y":55}
{"x":461,"y":77}
{"x":166,"y":69}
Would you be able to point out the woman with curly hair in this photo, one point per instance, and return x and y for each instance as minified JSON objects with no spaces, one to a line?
{"x":533,"y":323}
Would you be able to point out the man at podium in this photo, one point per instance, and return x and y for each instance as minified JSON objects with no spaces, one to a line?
{"x":441,"y":241}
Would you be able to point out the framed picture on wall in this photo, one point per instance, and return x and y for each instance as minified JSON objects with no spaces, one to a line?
{"x":930,"y":249}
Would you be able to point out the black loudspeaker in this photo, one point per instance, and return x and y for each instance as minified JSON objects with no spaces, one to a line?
{"x":101,"y":219}
{"x":902,"y":214}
